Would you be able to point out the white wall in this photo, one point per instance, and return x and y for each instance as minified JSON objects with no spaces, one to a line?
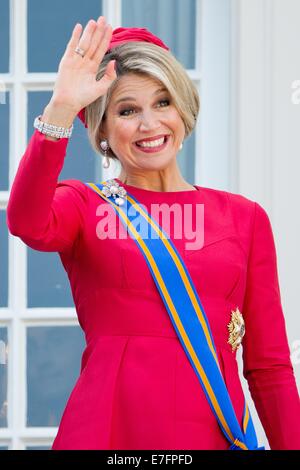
{"x":267,"y":134}
{"x":213,"y":161}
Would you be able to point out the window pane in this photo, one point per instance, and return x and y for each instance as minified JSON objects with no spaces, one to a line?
{"x":3,"y":376}
{"x":38,"y":448}
{"x":81,"y":162}
{"x":3,"y":260}
{"x":52,"y":289}
{"x":53,"y":365}
{"x":4,"y":139}
{"x":50,"y":27}
{"x":174,"y":21}
{"x":4,"y":36}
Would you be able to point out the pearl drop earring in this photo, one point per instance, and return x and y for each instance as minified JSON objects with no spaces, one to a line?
{"x":104,"y":146}
{"x":181,"y":147}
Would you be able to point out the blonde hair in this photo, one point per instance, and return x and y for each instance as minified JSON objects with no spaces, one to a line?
{"x":153,"y":61}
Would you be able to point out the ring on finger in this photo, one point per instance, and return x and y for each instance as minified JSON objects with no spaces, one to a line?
{"x":80,"y":51}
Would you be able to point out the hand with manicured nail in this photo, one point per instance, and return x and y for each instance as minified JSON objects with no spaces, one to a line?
{"x":76,"y":85}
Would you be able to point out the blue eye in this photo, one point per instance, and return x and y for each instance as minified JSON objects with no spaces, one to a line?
{"x":164,"y":103}
{"x":126,"y":112}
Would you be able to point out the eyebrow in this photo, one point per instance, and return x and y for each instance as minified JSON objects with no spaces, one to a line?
{"x":131,"y":98}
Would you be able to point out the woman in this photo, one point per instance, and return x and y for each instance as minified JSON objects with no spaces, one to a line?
{"x":158,"y":372}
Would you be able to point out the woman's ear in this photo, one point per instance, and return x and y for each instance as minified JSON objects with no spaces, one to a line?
{"x":102,"y":130}
{"x":102,"y":133}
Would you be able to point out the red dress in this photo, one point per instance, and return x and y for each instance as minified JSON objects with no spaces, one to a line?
{"x":137,"y":388}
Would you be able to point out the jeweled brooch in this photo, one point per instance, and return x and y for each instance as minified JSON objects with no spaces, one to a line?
{"x":236,"y":328}
{"x":113,"y":189}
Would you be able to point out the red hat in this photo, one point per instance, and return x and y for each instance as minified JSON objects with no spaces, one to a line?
{"x":124,"y":35}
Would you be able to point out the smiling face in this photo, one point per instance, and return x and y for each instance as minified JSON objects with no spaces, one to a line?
{"x":142,"y":126}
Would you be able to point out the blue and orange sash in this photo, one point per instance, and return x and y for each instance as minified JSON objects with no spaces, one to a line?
{"x":188,"y":318}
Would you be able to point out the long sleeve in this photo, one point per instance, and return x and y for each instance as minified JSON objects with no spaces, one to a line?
{"x":45,"y":214}
{"x":266,"y":354}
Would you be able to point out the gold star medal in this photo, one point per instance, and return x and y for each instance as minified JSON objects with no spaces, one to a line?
{"x":236,"y":329}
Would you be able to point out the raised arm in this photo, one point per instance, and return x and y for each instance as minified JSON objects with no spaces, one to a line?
{"x":266,"y":354}
{"x":45,"y":214}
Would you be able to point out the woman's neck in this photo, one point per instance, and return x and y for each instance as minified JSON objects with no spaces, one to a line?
{"x":156,"y":181}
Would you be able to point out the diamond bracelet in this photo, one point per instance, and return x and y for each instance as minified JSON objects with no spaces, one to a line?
{"x":51,"y":130}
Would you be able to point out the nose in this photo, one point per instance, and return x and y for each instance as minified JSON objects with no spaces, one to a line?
{"x":149,"y":121}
